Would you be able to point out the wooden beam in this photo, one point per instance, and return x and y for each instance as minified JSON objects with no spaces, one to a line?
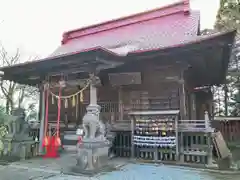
{"x":120,"y":104}
{"x":183,"y":111}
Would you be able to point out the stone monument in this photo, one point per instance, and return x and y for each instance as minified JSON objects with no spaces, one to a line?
{"x":92,"y":152}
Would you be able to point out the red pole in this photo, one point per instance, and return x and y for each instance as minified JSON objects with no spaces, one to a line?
{"x":59,"y":111}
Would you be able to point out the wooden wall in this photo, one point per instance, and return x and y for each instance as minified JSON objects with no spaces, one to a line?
{"x":155,"y":93}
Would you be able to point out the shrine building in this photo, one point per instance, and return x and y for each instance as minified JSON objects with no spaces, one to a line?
{"x":150,"y":63}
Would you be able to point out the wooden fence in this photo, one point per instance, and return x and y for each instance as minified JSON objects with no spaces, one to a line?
{"x":229,"y":127}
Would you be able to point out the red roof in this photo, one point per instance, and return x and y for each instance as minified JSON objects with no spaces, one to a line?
{"x":158,"y":28}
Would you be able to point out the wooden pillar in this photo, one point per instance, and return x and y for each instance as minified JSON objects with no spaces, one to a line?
{"x":181,"y":145}
{"x":182,"y":99}
{"x":210,"y":148}
{"x":209,"y":138}
{"x":182,"y":114}
{"x":77,"y":111}
{"x":40,"y":103}
{"x":132,"y":137}
{"x":120,"y":104}
{"x":42,"y":118}
{"x":177,"y":139}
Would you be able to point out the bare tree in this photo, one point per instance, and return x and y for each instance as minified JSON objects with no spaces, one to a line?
{"x":15,"y":94}
{"x":8,"y":87}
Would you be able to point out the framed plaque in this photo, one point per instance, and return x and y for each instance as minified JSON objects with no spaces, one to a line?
{"x":118,"y":79}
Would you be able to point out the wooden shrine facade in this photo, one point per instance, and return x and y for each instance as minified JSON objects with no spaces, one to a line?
{"x":152,"y":70}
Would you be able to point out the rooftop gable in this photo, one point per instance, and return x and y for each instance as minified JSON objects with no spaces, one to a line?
{"x":182,"y":6}
{"x":158,"y":28}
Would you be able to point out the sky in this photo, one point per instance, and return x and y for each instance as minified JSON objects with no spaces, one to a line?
{"x":36,"y":26}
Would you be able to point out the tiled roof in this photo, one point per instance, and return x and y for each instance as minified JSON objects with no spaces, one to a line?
{"x":159,"y":28}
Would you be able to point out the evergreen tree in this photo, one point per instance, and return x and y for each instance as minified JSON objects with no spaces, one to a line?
{"x":229,"y":18}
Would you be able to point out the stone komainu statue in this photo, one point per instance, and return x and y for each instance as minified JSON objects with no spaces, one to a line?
{"x":93,"y":151}
{"x":22,"y":127}
{"x":93,"y":127}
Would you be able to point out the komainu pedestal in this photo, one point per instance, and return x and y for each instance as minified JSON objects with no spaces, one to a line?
{"x":92,"y":152}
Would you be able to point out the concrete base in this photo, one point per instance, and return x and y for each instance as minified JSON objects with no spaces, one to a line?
{"x":76,"y":171}
{"x":17,"y":149}
{"x":92,"y":157}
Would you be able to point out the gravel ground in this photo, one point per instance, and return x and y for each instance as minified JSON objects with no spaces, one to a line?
{"x":51,"y":169}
